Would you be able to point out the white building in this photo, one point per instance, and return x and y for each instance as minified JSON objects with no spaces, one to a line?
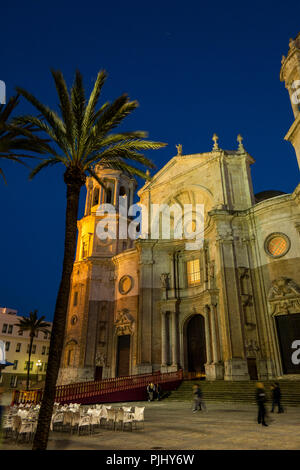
{"x":16,"y":351}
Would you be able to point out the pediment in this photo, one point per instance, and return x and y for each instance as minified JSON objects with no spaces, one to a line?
{"x":177,"y":168}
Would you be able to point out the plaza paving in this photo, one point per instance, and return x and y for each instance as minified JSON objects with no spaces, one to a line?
{"x":172,"y":425}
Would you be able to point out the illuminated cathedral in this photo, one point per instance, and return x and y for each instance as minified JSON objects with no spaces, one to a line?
{"x":229,"y":310}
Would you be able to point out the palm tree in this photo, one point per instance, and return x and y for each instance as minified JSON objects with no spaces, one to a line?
{"x":81,"y":138}
{"x":14,"y":138}
{"x":33,"y":325}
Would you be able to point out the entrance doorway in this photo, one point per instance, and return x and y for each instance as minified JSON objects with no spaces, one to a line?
{"x":288,"y":330}
{"x":196,"y":345}
{"x":252,"y":368}
{"x":98,"y":373}
{"x":123,"y":356}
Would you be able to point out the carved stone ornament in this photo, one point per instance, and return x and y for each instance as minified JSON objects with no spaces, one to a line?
{"x":124,"y":323}
{"x":252,"y":347}
{"x":284,"y":296}
{"x":100,"y":359}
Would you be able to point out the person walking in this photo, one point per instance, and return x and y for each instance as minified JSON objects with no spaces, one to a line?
{"x":158,"y":391}
{"x":261,"y":400}
{"x":276,"y":398}
{"x":150,"y":391}
{"x":198,"y":399}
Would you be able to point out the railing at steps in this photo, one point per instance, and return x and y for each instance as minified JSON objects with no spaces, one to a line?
{"x":116,"y":389}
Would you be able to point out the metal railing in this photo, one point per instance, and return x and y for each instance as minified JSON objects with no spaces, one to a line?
{"x":85,"y":390}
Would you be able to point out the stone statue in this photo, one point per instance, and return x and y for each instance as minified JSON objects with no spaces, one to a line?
{"x":164,"y":278}
{"x":179,"y":149}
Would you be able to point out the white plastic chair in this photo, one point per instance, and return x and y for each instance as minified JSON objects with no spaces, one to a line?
{"x":128,"y":419}
{"x":111,"y":417}
{"x":84,"y":422}
{"x":119,"y":419}
{"x":57,"y":420}
{"x":138,"y":416}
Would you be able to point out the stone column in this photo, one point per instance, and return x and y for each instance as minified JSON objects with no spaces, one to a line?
{"x":174,"y":339}
{"x":116,"y":194}
{"x":131,"y":193}
{"x":163,"y":339}
{"x":215,"y":345}
{"x":207,"y":335}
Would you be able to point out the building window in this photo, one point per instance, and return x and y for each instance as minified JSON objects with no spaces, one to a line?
{"x":75,"y":300}
{"x":96,"y":197}
{"x":108,"y":196}
{"x":84,"y":249}
{"x":277,"y":245}
{"x":10,"y":329}
{"x":45,"y":366}
{"x":43,"y":350}
{"x":48,"y":350}
{"x":7,"y":345}
{"x":33,"y":348}
{"x":15,"y":366}
{"x":30,"y":365}
{"x":18,"y":347}
{"x":70,"y":357}
{"x":13,"y":381}
{"x":4,"y":328}
{"x":193,"y":272}
{"x":20,"y":332}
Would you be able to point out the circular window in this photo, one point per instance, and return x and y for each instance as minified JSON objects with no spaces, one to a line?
{"x":125,"y":284}
{"x":277,"y":245}
{"x":74,"y":320}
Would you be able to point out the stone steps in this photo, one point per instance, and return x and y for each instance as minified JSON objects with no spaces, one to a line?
{"x":240,"y":392}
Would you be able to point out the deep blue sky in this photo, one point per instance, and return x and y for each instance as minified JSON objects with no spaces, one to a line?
{"x":195,"y":67}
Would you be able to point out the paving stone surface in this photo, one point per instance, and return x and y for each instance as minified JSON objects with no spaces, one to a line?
{"x":173,"y":426}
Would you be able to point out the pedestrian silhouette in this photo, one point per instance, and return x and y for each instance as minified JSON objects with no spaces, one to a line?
{"x":276,"y":398}
{"x":261,"y":400}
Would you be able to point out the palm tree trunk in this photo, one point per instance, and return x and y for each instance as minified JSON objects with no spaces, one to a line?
{"x":74,"y":183}
{"x":28,"y":364}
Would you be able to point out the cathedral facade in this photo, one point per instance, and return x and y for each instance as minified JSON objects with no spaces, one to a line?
{"x":229,"y":310}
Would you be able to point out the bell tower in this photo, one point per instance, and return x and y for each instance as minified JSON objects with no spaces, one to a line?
{"x":90,"y":319}
{"x":290,"y":74}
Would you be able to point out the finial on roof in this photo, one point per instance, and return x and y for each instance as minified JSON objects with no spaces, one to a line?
{"x":215,"y":138}
{"x":292,"y":42}
{"x":240,"y":141}
{"x":148,"y":173}
{"x":179,"y":149}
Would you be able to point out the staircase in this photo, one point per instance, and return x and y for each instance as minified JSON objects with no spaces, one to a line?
{"x":236,"y":392}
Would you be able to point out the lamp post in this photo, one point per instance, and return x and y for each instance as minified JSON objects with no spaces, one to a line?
{"x":38,"y":365}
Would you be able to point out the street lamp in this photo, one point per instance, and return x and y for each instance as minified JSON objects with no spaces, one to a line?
{"x":38,"y":365}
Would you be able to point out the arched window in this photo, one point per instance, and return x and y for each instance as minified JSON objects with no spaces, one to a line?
{"x":108,"y":196}
{"x":122,"y":191}
{"x":96,"y":197}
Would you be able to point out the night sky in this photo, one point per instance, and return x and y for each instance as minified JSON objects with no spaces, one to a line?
{"x":195,"y":67}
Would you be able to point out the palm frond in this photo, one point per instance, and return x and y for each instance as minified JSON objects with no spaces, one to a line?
{"x":65,"y":105}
